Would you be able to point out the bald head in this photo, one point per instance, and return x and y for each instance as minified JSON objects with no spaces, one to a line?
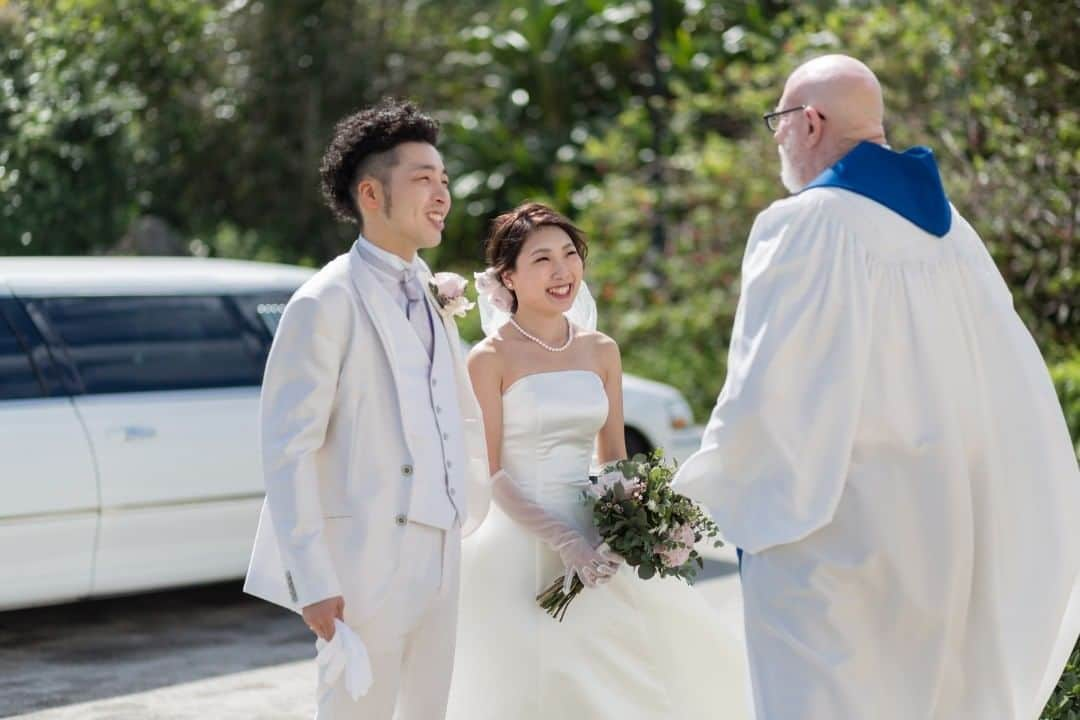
{"x":843,"y":90}
{"x":843,"y":107}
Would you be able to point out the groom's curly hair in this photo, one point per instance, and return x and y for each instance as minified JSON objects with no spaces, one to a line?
{"x":363,"y":144}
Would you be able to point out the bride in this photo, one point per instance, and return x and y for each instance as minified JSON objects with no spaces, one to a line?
{"x":549,"y":386}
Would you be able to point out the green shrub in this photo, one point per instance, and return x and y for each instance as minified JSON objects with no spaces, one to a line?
{"x":1066,"y":375}
{"x":1064,"y":704}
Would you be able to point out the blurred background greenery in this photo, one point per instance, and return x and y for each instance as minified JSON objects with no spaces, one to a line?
{"x":196,"y":127}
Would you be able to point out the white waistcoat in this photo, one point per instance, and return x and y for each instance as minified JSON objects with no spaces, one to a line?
{"x":432,"y":423}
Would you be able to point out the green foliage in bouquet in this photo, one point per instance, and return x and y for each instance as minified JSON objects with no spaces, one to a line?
{"x":641,"y":517}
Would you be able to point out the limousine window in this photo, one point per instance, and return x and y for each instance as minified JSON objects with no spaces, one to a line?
{"x":18,"y":380}
{"x":270,"y":314}
{"x":138,"y":344}
{"x":263,"y":309}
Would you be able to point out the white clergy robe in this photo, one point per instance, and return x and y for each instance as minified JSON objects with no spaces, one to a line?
{"x":890,"y":455}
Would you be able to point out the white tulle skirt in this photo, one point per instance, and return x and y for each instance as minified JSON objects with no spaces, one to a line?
{"x":629,"y":650}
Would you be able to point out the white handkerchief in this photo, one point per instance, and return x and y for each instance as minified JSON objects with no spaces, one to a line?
{"x":346,"y":655}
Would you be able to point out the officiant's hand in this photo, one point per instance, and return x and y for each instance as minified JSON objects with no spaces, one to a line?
{"x":320,"y":616}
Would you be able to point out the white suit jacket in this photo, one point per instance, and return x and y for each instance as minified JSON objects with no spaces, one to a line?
{"x":336,"y":460}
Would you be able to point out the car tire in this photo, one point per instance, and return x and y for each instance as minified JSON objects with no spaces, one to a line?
{"x":636,"y":444}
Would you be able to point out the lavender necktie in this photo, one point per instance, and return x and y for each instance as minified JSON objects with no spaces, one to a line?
{"x":417,"y":310}
{"x":416,"y":307}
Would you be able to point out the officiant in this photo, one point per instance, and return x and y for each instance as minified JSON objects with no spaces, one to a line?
{"x":887,"y":450}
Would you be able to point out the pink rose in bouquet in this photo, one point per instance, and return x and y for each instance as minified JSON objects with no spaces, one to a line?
{"x":607,"y":481}
{"x":682,"y":537}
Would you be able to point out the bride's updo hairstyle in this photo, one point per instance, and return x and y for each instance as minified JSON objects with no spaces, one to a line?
{"x":510,"y":230}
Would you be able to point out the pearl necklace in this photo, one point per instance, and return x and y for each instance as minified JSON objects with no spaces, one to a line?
{"x":541,"y":343}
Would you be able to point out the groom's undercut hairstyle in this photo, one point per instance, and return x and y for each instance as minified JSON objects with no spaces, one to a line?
{"x":364,"y":145}
{"x":510,"y":230}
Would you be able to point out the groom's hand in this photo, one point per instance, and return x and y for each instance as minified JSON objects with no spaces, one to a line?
{"x":320,"y":616}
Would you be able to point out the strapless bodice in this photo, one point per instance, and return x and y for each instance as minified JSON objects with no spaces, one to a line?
{"x":550,"y":421}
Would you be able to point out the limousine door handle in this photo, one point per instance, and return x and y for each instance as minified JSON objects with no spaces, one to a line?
{"x":131,"y":433}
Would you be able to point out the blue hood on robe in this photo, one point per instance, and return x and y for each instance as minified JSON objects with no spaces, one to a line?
{"x":907,"y":183}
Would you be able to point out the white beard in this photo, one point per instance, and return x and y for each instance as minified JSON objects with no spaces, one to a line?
{"x":789,"y":174}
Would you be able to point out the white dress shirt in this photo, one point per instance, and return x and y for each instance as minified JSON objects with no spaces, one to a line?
{"x":393,"y":283}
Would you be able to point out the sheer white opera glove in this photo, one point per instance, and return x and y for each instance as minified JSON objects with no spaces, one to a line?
{"x":593,"y":566}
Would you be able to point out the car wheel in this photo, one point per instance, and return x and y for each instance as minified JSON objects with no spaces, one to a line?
{"x":636,"y":444}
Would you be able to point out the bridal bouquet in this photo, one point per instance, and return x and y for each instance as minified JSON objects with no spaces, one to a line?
{"x":640,"y":517}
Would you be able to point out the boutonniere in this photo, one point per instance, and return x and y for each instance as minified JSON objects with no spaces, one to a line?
{"x":449,"y":291}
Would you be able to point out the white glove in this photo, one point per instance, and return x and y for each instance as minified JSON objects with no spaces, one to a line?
{"x":593,"y":566}
{"x":345,"y":655}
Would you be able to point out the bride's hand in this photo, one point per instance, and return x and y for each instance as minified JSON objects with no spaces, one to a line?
{"x":593,"y":566}
{"x":611,"y":562}
{"x":611,"y":556}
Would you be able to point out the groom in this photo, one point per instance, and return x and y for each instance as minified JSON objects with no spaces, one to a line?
{"x":888,"y":450}
{"x":373,"y":450}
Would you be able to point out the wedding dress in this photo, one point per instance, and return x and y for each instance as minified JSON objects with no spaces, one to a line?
{"x":626,"y":650}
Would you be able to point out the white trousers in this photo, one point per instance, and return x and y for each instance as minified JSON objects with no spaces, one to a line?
{"x":411,"y":638}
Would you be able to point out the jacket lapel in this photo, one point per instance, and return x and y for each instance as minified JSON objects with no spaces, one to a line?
{"x":378,"y":307}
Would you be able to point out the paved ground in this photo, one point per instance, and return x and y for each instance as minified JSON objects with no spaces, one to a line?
{"x":199,"y":653}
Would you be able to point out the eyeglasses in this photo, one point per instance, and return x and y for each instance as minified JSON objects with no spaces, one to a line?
{"x":772,"y":120}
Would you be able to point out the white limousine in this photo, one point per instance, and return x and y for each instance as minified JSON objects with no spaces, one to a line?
{"x":129,"y":390}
